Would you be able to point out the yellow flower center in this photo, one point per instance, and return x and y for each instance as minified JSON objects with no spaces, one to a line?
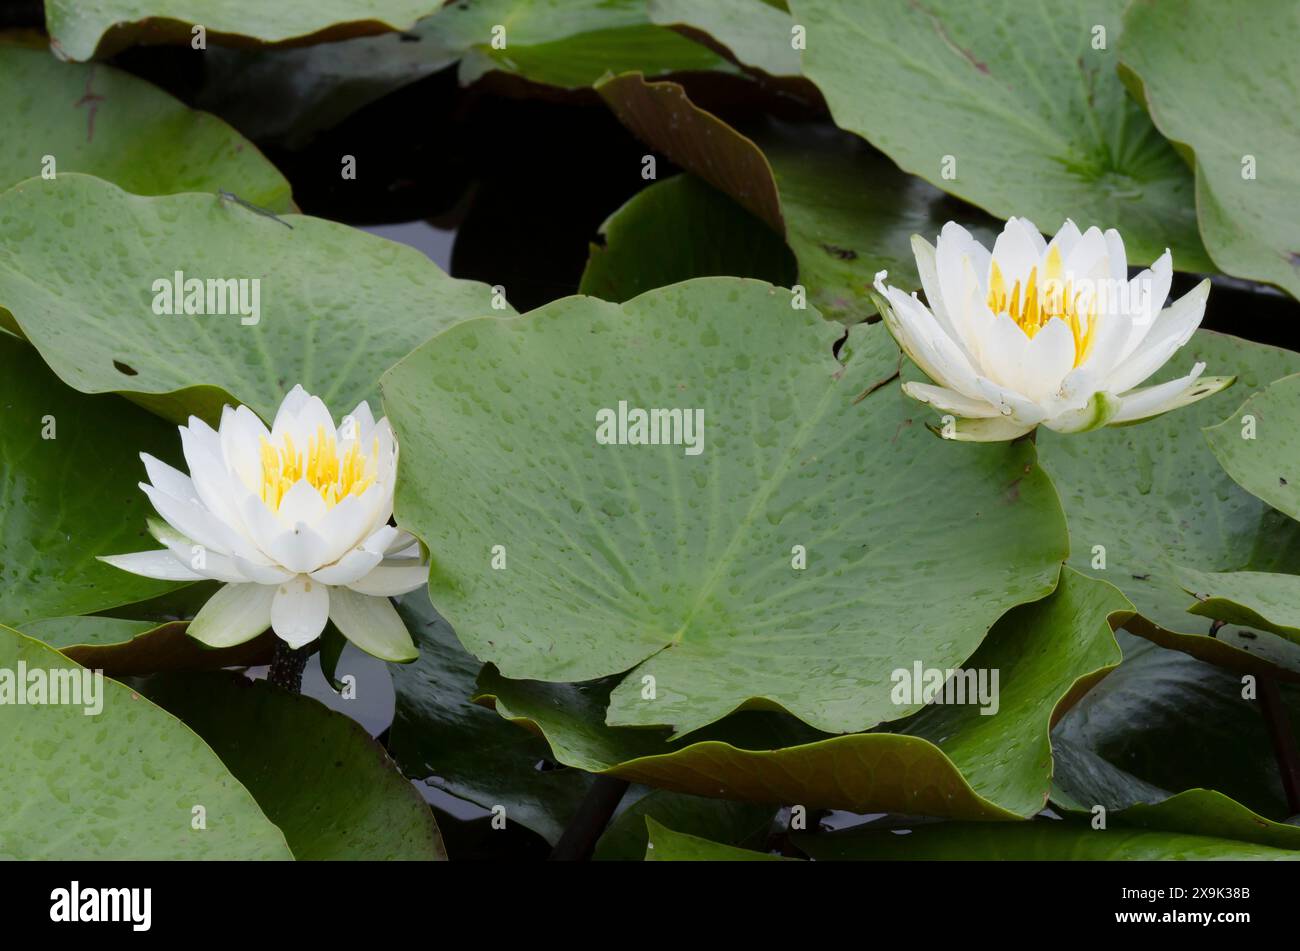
{"x":335,"y":476}
{"x":1039,"y":303}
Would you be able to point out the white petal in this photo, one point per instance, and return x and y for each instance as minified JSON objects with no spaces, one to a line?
{"x":392,"y":578}
{"x":372,"y":624}
{"x":997,"y":429}
{"x":261,"y":573}
{"x":194,"y":521}
{"x":160,"y":564}
{"x":208,"y":472}
{"x":241,"y":435}
{"x":1153,"y":400}
{"x":299,"y":611}
{"x":350,"y":522}
{"x":1173,"y":328}
{"x":300,"y":549}
{"x":362,"y":424}
{"x":950,"y":401}
{"x":302,"y":503}
{"x":167,"y":479}
{"x":215,"y":565}
{"x":235,"y":614}
{"x":921,"y":337}
{"x":1049,"y":356}
{"x":353,"y":566}
{"x":1017,"y":250}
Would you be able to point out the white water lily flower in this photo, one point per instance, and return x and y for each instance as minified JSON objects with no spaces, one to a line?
{"x":1037,"y":332}
{"x":294,"y":520}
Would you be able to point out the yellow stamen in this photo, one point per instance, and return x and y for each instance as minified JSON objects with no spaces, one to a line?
{"x":333,"y":474}
{"x":1040,"y":303}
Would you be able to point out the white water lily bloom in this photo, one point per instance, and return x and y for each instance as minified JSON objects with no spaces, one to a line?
{"x":1036,"y":332}
{"x":294,"y":520}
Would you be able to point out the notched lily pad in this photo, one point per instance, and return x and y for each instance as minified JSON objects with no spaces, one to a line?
{"x":790,"y":543}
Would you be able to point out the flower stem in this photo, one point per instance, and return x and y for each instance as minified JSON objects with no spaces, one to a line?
{"x":1284,"y":744}
{"x":579,"y":838}
{"x":287,"y":666}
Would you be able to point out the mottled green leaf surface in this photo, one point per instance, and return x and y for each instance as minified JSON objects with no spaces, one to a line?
{"x":336,"y":307}
{"x":104,"y":122}
{"x":683,"y":564}
{"x":123,"y":784}
{"x":1259,"y":444}
{"x":1222,"y":79}
{"x":952,"y":761}
{"x":68,"y":474}
{"x":1019,"y":111}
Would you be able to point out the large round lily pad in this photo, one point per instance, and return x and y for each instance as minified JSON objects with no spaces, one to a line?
{"x":1019,"y":111}
{"x":792,"y":549}
{"x":79,"y":259}
{"x":120,"y":784}
{"x":1236,"y":117}
{"x":104,"y":122}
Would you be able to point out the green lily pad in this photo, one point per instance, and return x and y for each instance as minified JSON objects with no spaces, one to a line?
{"x":728,"y":822}
{"x":951,"y":761}
{"x":845,"y":211}
{"x":336,"y":306}
{"x":317,"y":774}
{"x":1155,"y":499}
{"x":568,"y":43}
{"x":677,"y":229}
{"x":1236,"y":120}
{"x":1255,"y":599}
{"x":1043,"y":129}
{"x":441,"y":738}
{"x":1259,"y":444}
{"x":66,"y":499}
{"x":683,"y":561}
{"x":84,"y":29}
{"x":1164,"y":723}
{"x":756,"y":33}
{"x":665,"y":845}
{"x":104,"y":122}
{"x":1041,"y":840}
{"x":122,"y":784}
